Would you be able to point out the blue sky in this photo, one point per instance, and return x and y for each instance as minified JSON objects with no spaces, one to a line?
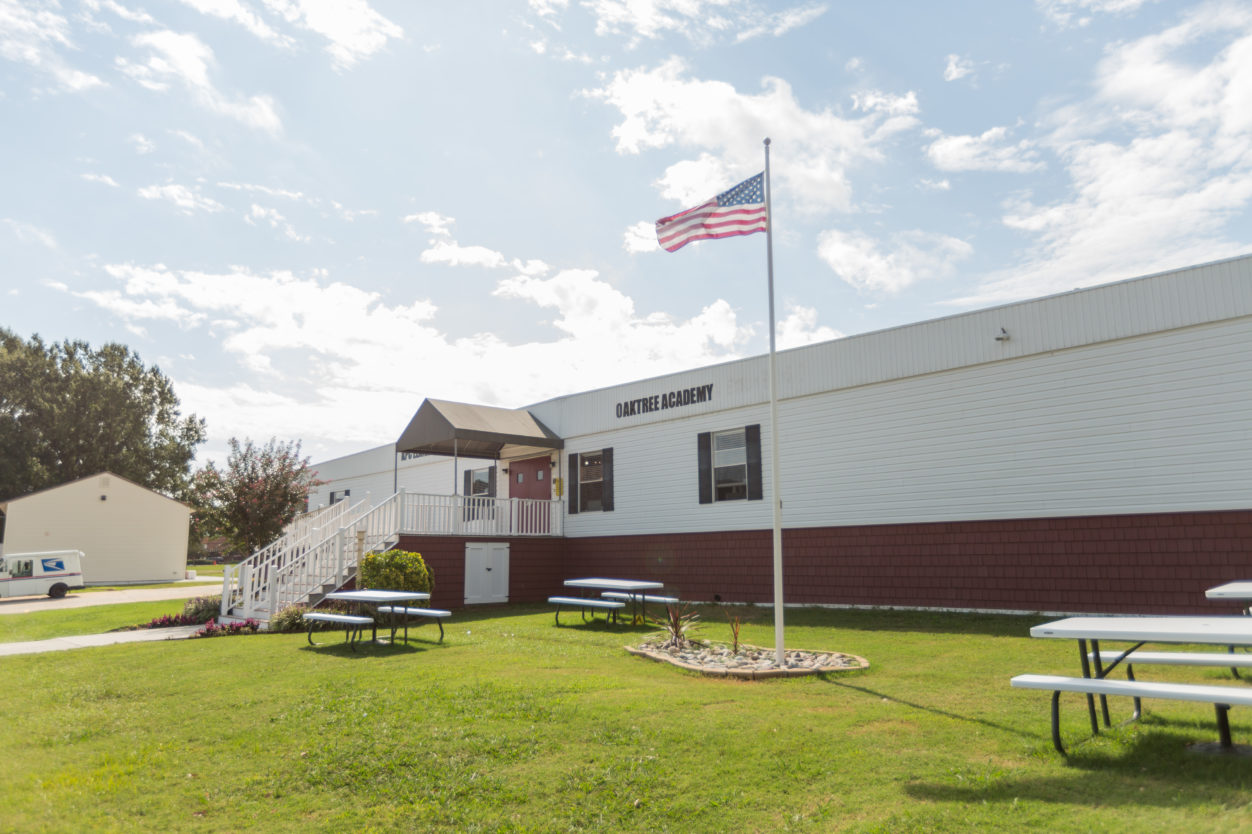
{"x":312,"y":214}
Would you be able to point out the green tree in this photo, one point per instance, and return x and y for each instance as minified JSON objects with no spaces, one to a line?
{"x":258,"y":493}
{"x":68,"y":411}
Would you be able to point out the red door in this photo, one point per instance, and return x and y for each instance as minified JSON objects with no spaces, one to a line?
{"x":531,"y":478}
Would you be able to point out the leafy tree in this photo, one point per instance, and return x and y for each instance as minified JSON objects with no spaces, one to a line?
{"x":258,"y":493}
{"x":68,"y":411}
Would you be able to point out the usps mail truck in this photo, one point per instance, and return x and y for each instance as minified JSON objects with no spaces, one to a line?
{"x":53,"y":573}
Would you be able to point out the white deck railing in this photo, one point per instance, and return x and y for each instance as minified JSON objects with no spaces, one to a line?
{"x":321,"y":551}
{"x":460,"y":515}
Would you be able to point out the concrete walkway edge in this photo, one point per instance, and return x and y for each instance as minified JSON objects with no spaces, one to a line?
{"x":57,"y":644}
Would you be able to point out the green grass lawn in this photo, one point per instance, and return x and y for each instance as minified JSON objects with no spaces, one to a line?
{"x":95,"y":619}
{"x":514,"y":724}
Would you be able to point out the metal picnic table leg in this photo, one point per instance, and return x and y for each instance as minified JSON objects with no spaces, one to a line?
{"x":1086,"y":673}
{"x":1099,"y":664}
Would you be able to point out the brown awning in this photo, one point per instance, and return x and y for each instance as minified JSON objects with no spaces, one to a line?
{"x":475,"y":431}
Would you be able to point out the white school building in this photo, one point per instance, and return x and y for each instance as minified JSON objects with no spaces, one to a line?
{"x":1083,"y":452}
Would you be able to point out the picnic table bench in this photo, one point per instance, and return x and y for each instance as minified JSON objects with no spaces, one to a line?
{"x":352,"y":625}
{"x":641,"y":600}
{"x":1221,"y":697}
{"x":608,"y":606}
{"x":435,"y":614}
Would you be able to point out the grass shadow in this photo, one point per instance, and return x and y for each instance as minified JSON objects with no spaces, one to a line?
{"x":1017,"y":731}
{"x":1146,"y":769}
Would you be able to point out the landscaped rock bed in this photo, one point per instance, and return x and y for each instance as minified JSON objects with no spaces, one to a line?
{"x":751,"y":662}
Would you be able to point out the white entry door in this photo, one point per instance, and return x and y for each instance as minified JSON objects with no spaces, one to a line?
{"x":486,"y":572}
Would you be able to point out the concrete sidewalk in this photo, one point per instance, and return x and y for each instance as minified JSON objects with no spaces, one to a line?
{"x":58,"y":644}
{"x":84,"y":599}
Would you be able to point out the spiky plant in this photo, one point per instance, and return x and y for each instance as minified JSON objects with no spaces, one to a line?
{"x":678,"y":622}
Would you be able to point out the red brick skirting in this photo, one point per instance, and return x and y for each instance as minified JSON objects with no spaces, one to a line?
{"x":1117,"y":564}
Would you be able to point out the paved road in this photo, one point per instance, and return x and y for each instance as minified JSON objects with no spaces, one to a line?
{"x":79,"y":599}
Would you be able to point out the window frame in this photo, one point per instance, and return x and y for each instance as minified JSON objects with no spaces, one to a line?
{"x":706,"y":468}
{"x":576,"y":483}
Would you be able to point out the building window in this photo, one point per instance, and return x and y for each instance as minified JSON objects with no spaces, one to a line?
{"x":729,"y":465}
{"x":480,"y":482}
{"x":591,"y":482}
{"x":338,"y":495}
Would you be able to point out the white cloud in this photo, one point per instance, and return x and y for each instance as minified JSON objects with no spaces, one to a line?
{"x":936,"y":185}
{"x":434,"y":222}
{"x":453,"y":254}
{"x":547,"y":8}
{"x":910,"y":257}
{"x":121,"y":11}
{"x":987,"y":152}
{"x":291,"y":336}
{"x":354,"y":29}
{"x":237,"y":12}
{"x":1157,"y":159}
{"x":701,"y":21}
{"x":777,"y":24}
{"x":800,"y":328}
{"x":662,"y":107}
{"x":189,"y":138}
{"x":28,"y":233}
{"x":33,"y":33}
{"x":1081,"y":12}
{"x":142,"y":144}
{"x":186,"y":200}
{"x":185,"y":59}
{"x":268,"y":191}
{"x":103,"y":179}
{"x":958,"y":67}
{"x":641,"y":237}
{"x":260,"y":215}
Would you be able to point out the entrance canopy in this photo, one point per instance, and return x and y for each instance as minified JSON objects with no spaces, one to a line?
{"x":475,"y":431}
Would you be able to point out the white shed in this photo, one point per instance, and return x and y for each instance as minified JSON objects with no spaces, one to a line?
{"x":128,"y":533}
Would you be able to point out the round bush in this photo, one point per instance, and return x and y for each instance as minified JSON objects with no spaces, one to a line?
{"x":395,"y":570}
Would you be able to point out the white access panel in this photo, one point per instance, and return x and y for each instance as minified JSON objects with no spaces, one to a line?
{"x":486,"y":572}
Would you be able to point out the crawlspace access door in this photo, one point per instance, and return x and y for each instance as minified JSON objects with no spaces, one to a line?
{"x":486,"y":572}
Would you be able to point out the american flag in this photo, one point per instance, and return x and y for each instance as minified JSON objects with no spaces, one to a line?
{"x":737,"y":211}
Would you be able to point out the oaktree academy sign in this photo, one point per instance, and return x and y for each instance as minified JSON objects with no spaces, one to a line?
{"x":670,"y":399}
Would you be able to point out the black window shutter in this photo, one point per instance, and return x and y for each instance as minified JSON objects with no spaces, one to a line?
{"x":752,"y":439}
{"x":573,"y":483}
{"x":491,"y":482}
{"x":704,"y":465}
{"x":469,"y":483}
{"x":606,"y":500}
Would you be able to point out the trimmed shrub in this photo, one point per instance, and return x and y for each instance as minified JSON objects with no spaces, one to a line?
{"x":289,"y":619}
{"x":202,"y":609}
{"x":395,"y":570}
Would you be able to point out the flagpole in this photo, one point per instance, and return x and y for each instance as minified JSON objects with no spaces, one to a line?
{"x":773,"y":427}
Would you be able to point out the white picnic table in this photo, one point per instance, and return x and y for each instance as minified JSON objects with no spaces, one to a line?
{"x":1219,"y":631}
{"x":1240,"y":590}
{"x":378,"y":597}
{"x":635,"y":588}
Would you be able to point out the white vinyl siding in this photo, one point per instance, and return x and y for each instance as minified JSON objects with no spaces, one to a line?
{"x":1150,"y":424}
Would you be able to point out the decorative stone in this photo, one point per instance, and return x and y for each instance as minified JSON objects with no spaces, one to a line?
{"x":752,"y":662}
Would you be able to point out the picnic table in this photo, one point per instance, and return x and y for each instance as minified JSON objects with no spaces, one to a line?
{"x":1240,"y":591}
{"x":378,"y":598}
{"x":635,"y":589}
{"x":1096,"y":665}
